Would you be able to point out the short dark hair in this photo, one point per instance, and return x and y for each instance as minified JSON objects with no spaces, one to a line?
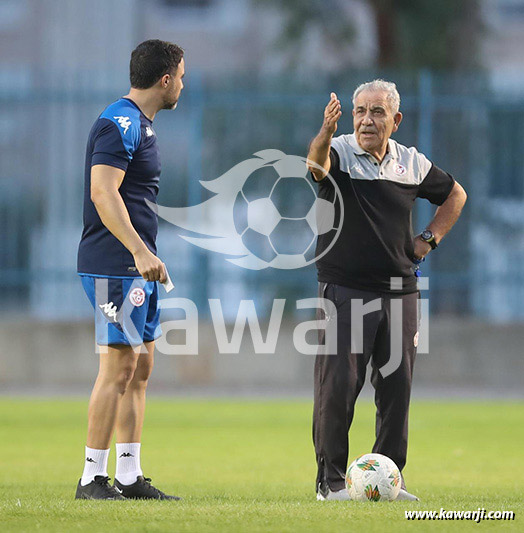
{"x":152,"y":59}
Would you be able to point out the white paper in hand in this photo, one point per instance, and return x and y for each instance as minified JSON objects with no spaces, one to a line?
{"x":168,"y":284}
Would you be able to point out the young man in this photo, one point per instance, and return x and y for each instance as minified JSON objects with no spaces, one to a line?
{"x":379,"y":180}
{"x":119,"y":268}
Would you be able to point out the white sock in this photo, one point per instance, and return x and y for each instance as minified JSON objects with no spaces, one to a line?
{"x":127,"y":462}
{"x":95,"y":465}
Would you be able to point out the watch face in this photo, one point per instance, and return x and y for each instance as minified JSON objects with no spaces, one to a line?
{"x":426,"y":235}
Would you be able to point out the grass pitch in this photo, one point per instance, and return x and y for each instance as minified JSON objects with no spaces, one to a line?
{"x":249,"y":466}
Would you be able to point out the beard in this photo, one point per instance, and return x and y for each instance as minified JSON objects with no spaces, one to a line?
{"x":170,"y":104}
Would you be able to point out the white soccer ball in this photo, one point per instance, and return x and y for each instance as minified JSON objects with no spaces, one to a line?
{"x":373,"y":477}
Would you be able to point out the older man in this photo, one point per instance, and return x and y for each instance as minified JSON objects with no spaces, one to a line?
{"x":372,"y":261}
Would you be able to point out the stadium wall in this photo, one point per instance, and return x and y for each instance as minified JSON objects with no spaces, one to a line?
{"x":467,"y":358}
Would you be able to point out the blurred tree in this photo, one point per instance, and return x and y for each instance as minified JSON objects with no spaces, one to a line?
{"x":443,"y":34}
{"x":437,"y":34}
{"x":304,"y":18}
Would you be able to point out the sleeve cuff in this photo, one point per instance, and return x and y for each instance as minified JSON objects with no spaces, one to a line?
{"x":110,"y":160}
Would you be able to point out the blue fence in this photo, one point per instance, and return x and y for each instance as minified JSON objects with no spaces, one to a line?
{"x":459,"y":123}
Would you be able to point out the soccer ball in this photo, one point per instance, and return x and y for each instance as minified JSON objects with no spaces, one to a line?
{"x":373,"y":477}
{"x":278,"y":215}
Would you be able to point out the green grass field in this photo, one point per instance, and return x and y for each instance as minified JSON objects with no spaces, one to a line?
{"x":249,"y":466}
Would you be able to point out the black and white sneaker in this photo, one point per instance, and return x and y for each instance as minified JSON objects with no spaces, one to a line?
{"x":142,"y":489}
{"x":98,"y":489}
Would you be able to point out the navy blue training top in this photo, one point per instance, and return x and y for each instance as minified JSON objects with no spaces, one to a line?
{"x":121,"y":137}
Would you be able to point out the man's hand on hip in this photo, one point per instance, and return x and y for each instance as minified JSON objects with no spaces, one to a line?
{"x":149,"y":266}
{"x":421,"y":247}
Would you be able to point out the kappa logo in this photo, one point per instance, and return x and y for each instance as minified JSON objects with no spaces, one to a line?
{"x":123,"y":122}
{"x":357,"y":168}
{"x":149,"y":131}
{"x":400,"y":169}
{"x":109,"y":309}
{"x":89,"y":460}
{"x":126,"y":454}
{"x":137,"y":296}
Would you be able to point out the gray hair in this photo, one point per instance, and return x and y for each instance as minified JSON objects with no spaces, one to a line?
{"x":381,"y":85}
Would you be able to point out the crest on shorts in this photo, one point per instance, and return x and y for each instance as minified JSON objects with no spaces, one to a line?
{"x":137,"y":296}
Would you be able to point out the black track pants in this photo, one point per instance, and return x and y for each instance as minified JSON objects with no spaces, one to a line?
{"x":339,"y":378}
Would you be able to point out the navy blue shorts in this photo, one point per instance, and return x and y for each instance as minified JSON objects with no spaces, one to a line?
{"x":126,"y":309}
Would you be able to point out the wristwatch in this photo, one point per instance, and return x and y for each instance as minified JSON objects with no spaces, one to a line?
{"x":427,"y":235}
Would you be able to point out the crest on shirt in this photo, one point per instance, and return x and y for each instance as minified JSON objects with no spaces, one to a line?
{"x":137,"y":296}
{"x":399,"y":169}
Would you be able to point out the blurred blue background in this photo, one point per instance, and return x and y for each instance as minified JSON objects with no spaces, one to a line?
{"x":258,"y":75}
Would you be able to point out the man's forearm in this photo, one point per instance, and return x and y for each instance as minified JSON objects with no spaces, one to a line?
{"x":115,"y":217}
{"x":448,"y":213}
{"x":319,"y":154}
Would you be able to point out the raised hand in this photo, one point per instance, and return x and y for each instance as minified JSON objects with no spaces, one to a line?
{"x":332,"y":113}
{"x":318,"y":155}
